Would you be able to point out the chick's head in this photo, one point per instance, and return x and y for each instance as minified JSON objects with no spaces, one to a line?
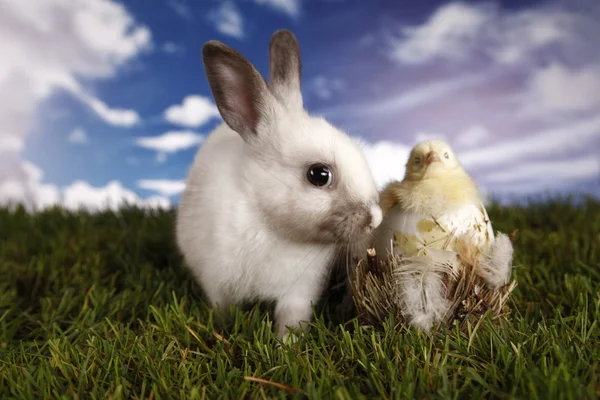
{"x":431,"y":159}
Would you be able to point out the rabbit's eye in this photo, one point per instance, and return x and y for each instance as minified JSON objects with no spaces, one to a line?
{"x":319,"y":175}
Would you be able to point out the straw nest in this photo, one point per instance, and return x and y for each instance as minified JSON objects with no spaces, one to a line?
{"x":375,"y":290}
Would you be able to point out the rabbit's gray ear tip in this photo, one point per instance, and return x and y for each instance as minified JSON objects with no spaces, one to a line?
{"x":213,"y":47}
{"x":283,"y":34}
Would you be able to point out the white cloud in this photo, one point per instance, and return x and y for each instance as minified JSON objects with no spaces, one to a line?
{"x":161,"y":157}
{"x":570,"y":138}
{"x":289,"y":7}
{"x":540,"y":186}
{"x":228,"y":20}
{"x":78,"y":136}
{"x":36,"y":196}
{"x":25,"y":187}
{"x":113,"y":116}
{"x":367,"y":40}
{"x":386,"y":159}
{"x":165,"y":187}
{"x":545,"y":49}
{"x":550,"y":172}
{"x":81,"y":195}
{"x":9,"y":143}
{"x":172,"y":48}
{"x":193,"y":112}
{"x":447,"y":34}
{"x":520,"y":35}
{"x":324,"y":87}
{"x":419,"y":137}
{"x":558,"y":89}
{"x":402,"y":101}
{"x":472,"y":136}
{"x":58,"y":45}
{"x":456,"y":31}
{"x":180,"y":8}
{"x":171,"y":142}
{"x":547,"y":176}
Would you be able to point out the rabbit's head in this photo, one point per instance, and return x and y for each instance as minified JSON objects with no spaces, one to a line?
{"x":309,"y":181}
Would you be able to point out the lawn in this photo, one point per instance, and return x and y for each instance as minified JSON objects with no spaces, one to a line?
{"x":99,"y":306}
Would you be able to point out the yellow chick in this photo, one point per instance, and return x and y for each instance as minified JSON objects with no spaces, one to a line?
{"x":436,"y":202}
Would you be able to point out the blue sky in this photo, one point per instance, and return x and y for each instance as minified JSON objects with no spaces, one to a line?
{"x":105,"y":100}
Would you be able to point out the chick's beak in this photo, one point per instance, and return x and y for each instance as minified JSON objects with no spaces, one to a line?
{"x":431,"y":157}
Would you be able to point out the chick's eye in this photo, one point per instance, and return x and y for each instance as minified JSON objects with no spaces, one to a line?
{"x":447,"y":155}
{"x":418,"y":160}
{"x":319,"y":175}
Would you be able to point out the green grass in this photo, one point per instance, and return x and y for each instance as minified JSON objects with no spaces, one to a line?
{"x":99,"y":306}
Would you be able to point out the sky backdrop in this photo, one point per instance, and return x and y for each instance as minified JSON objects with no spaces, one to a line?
{"x":104,"y":101}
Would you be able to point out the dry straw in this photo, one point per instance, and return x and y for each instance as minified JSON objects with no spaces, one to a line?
{"x":376,"y":296}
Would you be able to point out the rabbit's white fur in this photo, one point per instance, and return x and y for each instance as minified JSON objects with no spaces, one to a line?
{"x":250,"y":225}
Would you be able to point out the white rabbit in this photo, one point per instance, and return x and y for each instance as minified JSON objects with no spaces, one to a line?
{"x":273,"y":192}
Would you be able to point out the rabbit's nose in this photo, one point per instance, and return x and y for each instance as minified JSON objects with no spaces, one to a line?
{"x":376,"y":216}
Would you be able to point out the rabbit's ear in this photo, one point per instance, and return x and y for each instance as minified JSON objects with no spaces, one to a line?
{"x":240,"y":91}
{"x":285,"y":68}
